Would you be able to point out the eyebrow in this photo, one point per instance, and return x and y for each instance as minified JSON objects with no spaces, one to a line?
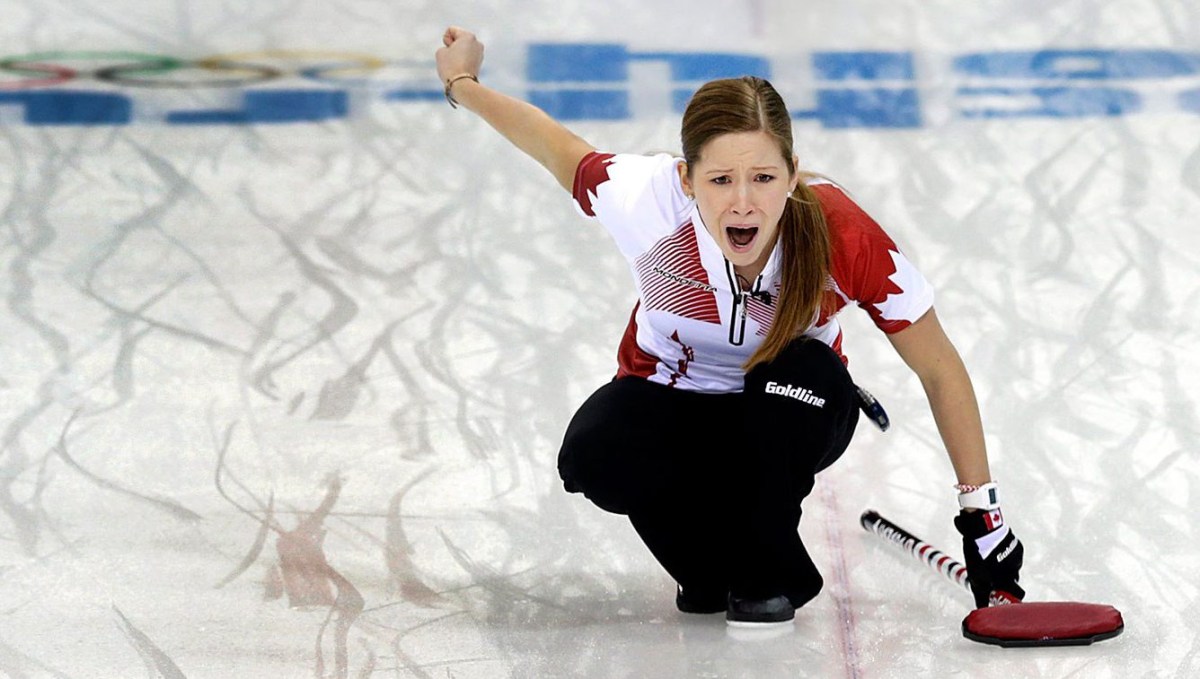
{"x":757,"y":167}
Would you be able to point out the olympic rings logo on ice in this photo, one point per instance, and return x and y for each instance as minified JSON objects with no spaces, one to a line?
{"x":145,"y":70}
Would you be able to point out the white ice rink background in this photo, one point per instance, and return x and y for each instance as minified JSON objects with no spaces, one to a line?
{"x":287,"y":345}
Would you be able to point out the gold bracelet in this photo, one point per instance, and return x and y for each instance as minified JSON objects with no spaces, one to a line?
{"x":450,"y":83}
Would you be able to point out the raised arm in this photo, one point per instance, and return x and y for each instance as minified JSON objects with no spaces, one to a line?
{"x":529,"y":128}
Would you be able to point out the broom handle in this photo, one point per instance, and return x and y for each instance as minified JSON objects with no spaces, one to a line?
{"x":918,"y":548}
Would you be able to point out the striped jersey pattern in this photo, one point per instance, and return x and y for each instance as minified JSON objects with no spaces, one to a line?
{"x":673,"y":280}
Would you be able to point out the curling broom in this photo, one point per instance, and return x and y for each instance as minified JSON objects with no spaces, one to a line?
{"x":1008,"y":622}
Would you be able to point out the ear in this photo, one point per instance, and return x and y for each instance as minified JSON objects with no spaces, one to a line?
{"x":683,"y":178}
{"x":796,"y":176}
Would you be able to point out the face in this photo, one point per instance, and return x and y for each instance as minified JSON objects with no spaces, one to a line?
{"x":741,"y":184}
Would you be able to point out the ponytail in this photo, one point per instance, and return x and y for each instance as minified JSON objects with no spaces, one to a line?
{"x":804,"y":239}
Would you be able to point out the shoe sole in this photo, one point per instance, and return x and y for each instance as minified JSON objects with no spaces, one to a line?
{"x":757,"y":632}
{"x":749,"y":624}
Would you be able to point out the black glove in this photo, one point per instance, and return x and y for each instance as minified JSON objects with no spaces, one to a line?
{"x":993,"y":554}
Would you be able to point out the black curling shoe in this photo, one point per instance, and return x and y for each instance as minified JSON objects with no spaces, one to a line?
{"x":758,"y":612}
{"x":694,"y":601}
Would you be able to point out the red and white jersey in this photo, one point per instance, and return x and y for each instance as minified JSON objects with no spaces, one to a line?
{"x":694,"y":327}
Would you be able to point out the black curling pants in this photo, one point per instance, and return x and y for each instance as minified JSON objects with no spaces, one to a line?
{"x":713,"y":482}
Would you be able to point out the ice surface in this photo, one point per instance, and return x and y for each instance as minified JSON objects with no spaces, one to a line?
{"x":283,"y":400}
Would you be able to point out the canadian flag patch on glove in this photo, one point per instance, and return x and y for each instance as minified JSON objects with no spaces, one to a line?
{"x":994,"y":519}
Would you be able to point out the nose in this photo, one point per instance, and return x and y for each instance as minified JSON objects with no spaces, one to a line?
{"x":741,"y":199}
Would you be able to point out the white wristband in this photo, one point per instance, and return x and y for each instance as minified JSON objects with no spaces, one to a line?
{"x":987,"y":497}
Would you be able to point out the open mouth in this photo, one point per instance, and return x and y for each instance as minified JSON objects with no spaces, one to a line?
{"x":741,"y":238}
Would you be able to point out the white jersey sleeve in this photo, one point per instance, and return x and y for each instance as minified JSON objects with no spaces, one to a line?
{"x":639,"y":199}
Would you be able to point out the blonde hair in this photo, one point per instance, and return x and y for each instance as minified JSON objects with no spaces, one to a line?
{"x":750,"y":104}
